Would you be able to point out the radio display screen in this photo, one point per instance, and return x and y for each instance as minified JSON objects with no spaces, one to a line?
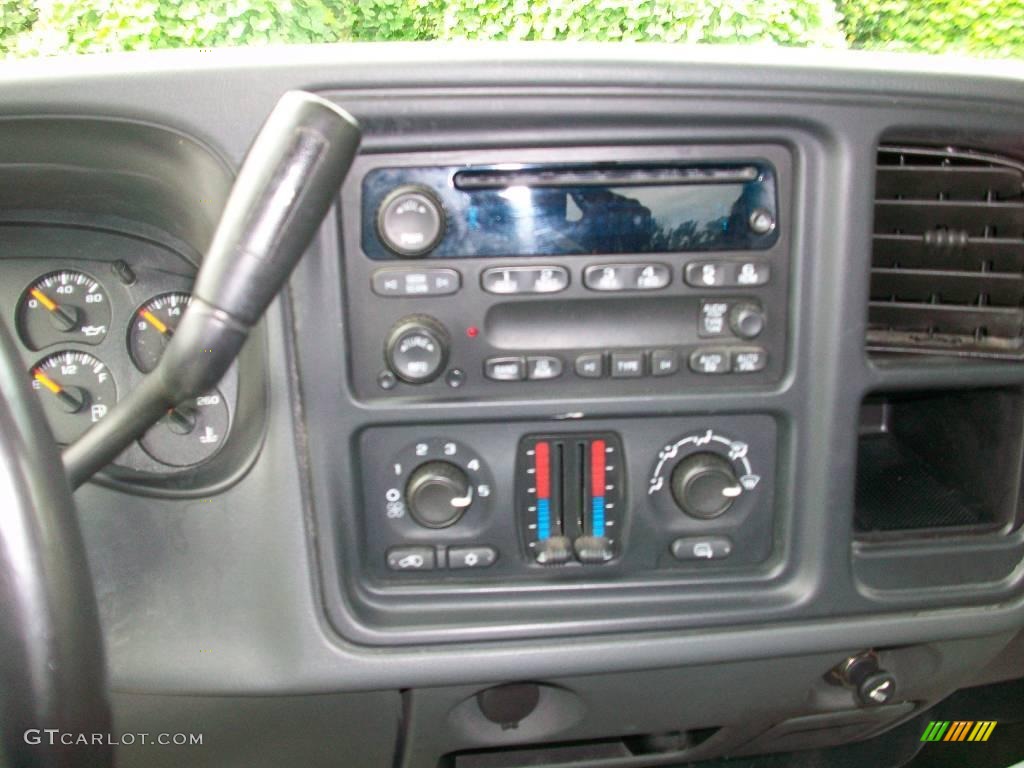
{"x":581,"y":213}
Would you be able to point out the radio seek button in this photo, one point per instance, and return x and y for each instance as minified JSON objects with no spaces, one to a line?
{"x":505,"y":369}
{"x":419,"y":282}
{"x":515,"y":280}
{"x":540,"y":368}
{"x":471,"y":557}
{"x":590,"y":366}
{"x":748,"y":360}
{"x":627,"y":365}
{"x":664,"y":362}
{"x":411,"y":559}
{"x":711,"y":361}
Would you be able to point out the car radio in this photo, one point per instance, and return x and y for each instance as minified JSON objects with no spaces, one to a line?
{"x":631,"y":271}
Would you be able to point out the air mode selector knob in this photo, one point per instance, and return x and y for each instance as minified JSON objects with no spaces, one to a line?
{"x":705,"y":485}
{"x":416,"y":350}
{"x":438,"y":493}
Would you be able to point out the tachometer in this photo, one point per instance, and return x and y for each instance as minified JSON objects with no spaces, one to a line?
{"x":63,"y":306}
{"x":76,"y":391}
{"x":152,"y":327}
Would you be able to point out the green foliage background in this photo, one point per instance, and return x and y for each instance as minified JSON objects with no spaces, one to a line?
{"x":49,"y":27}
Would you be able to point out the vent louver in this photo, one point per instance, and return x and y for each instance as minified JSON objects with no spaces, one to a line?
{"x":947,"y":270}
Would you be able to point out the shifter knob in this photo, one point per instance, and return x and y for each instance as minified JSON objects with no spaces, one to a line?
{"x":438,"y":492}
{"x":704,"y":485}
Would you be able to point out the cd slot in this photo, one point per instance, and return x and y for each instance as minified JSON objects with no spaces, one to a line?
{"x":603,"y":177}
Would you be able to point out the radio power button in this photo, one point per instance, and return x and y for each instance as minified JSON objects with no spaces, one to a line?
{"x":410,"y":221}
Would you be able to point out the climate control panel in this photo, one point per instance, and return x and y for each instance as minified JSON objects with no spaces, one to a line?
{"x":657,"y":496}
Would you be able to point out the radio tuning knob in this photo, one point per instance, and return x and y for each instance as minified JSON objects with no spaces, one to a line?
{"x":705,"y":485}
{"x":416,"y":349}
{"x":438,"y":493}
{"x":746,"y":320}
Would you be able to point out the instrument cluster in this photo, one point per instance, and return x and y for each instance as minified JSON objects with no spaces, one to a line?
{"x":91,"y":328}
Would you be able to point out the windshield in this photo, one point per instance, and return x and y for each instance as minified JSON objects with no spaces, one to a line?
{"x":986,"y":28}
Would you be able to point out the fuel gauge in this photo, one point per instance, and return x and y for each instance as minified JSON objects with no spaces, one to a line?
{"x":76,"y":390}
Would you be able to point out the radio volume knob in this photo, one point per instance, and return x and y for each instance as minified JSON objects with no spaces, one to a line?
{"x":416,"y":350}
{"x":410,"y":221}
{"x":438,"y":493}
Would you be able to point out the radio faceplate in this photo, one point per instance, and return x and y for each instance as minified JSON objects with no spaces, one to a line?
{"x":610,"y":322}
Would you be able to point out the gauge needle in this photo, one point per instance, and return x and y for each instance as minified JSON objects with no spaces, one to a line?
{"x":157,"y":323}
{"x":66,"y":320}
{"x":65,"y":397}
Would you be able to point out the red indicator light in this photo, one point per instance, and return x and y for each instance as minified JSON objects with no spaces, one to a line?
{"x":472,"y":331}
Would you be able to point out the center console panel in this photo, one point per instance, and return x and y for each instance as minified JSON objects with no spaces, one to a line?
{"x":518,"y":276}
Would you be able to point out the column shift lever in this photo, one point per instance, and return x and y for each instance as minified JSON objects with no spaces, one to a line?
{"x":290,"y":176}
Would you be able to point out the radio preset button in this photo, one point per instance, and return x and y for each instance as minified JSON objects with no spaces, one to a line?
{"x":627,"y":365}
{"x":516,"y":280}
{"x":410,"y":221}
{"x":626,"y":277}
{"x":727,"y":274}
{"x":415,"y":282}
{"x":706,"y":274}
{"x":752,"y":273}
{"x":590,"y":365}
{"x":544,"y":367}
{"x":749,"y":360}
{"x":664,"y":362}
{"x":505,"y":369}
{"x":710,"y":361}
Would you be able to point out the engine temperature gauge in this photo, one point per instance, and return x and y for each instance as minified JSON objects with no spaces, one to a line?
{"x":61,"y":307}
{"x":76,"y":390}
{"x":152,"y":327}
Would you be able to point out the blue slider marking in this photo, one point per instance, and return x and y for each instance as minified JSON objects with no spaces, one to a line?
{"x":543,"y":519}
{"x":598,"y":515}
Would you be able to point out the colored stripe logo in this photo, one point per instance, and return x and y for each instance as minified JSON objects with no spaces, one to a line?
{"x":958,"y":730}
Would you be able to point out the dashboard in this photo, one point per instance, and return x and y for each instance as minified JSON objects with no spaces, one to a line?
{"x":614,"y":382}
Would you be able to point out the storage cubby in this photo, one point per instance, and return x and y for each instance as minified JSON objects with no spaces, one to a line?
{"x":933,"y":463}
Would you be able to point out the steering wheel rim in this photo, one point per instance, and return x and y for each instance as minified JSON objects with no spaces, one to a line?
{"x":52,"y":667}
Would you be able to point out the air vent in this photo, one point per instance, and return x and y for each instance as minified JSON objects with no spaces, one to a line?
{"x":947,"y":272}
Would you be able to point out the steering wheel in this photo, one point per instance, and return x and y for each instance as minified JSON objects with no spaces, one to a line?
{"x":53,"y":688}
